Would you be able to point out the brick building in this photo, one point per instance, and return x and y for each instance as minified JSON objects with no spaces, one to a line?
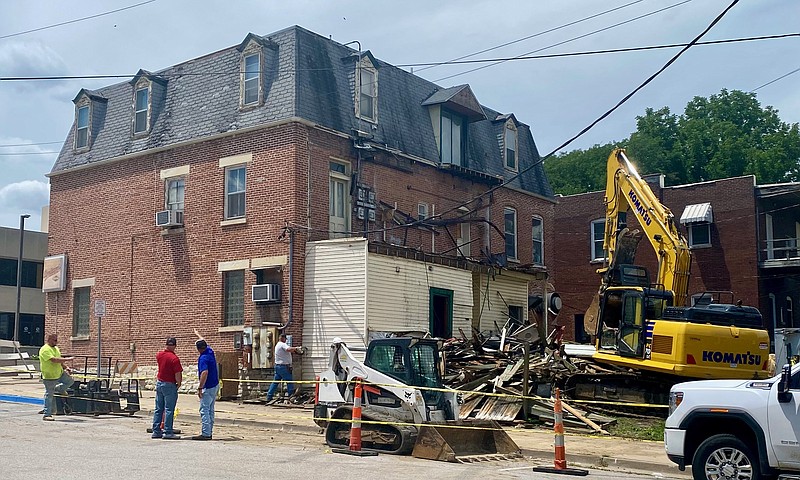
{"x":286,"y":138}
{"x":737,"y":246}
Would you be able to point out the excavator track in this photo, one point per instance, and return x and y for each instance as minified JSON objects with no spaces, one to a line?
{"x":391,"y":439}
{"x":632,"y":392}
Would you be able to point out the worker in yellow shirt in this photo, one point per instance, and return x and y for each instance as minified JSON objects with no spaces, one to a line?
{"x":55,"y":375}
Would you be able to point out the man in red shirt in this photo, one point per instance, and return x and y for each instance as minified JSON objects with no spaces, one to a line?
{"x":169,"y":380}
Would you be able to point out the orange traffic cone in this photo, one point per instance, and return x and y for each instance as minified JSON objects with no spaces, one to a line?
{"x":355,"y":426}
{"x":560,"y":463}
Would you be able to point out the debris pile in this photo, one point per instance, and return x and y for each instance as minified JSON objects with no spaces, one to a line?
{"x":491,"y":372}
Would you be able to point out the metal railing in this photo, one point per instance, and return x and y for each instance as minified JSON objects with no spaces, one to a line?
{"x":781,"y":249}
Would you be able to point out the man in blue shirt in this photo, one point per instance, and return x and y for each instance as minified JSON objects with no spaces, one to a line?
{"x":207,"y":388}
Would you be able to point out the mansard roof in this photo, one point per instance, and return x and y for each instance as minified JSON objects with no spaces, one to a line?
{"x":304,"y":77}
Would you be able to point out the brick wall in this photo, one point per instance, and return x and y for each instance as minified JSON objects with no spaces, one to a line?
{"x":730,"y":264}
{"x":158,"y":285}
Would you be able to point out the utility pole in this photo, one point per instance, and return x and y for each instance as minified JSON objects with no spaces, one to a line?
{"x":19,"y":274}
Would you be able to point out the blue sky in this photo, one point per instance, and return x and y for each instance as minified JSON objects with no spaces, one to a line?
{"x":556,"y":97}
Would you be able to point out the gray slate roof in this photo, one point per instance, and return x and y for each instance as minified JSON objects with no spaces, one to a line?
{"x":307,"y":76}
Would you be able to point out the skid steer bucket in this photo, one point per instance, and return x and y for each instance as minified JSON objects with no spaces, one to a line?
{"x":464,"y":441}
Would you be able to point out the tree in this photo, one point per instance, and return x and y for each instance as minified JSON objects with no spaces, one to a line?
{"x":724,"y":135}
{"x":579,"y":171}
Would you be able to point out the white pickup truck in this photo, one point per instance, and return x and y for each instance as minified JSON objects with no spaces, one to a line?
{"x":735,"y":429}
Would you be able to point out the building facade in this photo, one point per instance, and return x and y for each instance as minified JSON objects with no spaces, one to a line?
{"x":32,"y":300}
{"x":177,"y":192}
{"x":743,"y":240}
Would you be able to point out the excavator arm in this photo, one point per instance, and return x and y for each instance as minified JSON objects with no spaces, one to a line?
{"x":628,"y":194}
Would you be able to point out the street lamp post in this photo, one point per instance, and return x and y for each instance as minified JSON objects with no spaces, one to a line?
{"x":19,"y":274}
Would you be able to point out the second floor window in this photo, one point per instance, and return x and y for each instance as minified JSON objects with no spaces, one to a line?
{"x":699,"y":234}
{"x":422,"y":211}
{"x":538,"y":241}
{"x":453,"y":136}
{"x":252,"y":73}
{"x":598,"y":234}
{"x":174,"y":196}
{"x":140,"y":113}
{"x":82,"y":128}
{"x":235,"y":191}
{"x":510,"y":231}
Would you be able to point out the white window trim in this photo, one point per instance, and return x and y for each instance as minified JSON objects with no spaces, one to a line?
{"x":227,"y":217}
{"x":88,"y":127}
{"x":602,"y":224}
{"x":181,"y":171}
{"x":541,"y":222}
{"x":690,"y":227}
{"x":366,"y":65}
{"x":506,"y":210}
{"x":166,"y":191}
{"x":259,"y":79}
{"x":422,"y":211}
{"x":511,"y":127}
{"x":136,"y":91}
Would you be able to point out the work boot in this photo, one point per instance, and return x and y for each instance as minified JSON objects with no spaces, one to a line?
{"x":48,"y":418}
{"x":171,"y":436}
{"x":156,"y":435}
{"x":201,"y":437}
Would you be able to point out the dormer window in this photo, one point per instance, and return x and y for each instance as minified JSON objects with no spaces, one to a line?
{"x":510,"y":141}
{"x":82,"y":127}
{"x":453,"y":129}
{"x":141,"y":110}
{"x":367,"y":108}
{"x":251,"y":79}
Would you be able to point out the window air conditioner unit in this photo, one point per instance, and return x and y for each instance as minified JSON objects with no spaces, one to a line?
{"x":169,"y":218}
{"x":267,"y":293}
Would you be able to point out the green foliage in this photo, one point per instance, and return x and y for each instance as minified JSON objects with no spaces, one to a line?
{"x":638,"y":428}
{"x":579,"y":171}
{"x":724,"y":135}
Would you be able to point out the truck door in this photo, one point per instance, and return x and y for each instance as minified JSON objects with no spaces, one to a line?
{"x":784,"y":424}
{"x":631,"y":330}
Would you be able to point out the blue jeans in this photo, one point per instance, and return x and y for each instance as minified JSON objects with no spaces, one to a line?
{"x":282,"y":372}
{"x":51,"y":387}
{"x":166,"y":398}
{"x":207,"y":410}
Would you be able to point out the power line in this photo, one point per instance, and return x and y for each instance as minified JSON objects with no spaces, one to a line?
{"x":570,"y":40}
{"x":550,"y":30}
{"x":485,"y":60}
{"x":27,"y":144}
{"x":584,"y":130}
{"x":26,"y":153}
{"x":775,"y":80}
{"x":75,"y":20}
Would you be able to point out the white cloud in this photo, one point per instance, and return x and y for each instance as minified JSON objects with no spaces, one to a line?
{"x":27,"y":196}
{"x":28,"y":59}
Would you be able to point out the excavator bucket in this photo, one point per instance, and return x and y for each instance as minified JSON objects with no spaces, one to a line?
{"x":591,"y":316}
{"x":465,"y":441}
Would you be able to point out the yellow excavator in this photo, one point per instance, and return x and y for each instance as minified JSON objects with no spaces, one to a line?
{"x":647,"y":326}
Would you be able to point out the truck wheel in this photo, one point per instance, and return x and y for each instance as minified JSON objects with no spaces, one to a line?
{"x":724,"y":457}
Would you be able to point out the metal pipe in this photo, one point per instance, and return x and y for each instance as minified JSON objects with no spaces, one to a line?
{"x":291,"y":280}
{"x":19,"y":274}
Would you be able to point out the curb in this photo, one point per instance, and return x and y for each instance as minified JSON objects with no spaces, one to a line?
{"x":612,"y":463}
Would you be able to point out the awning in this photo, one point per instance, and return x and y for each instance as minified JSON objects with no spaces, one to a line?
{"x":698,"y":213}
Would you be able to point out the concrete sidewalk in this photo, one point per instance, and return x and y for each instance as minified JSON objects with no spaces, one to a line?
{"x":616,"y":453}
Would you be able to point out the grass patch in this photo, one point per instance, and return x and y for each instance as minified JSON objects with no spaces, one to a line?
{"x":638,"y":428}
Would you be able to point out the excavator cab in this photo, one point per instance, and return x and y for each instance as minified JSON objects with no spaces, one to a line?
{"x":625,"y":314}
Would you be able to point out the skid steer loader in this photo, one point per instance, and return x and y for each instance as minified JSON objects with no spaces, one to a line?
{"x":405,"y":407}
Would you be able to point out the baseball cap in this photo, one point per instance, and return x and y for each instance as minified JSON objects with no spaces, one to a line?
{"x":172,"y":341}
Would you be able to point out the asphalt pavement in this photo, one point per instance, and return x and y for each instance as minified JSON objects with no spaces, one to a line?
{"x":612,"y":453}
